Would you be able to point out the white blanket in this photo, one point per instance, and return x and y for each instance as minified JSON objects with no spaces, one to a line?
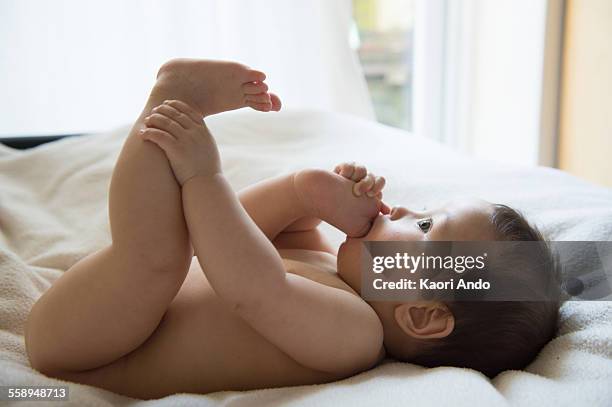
{"x":53,"y":211}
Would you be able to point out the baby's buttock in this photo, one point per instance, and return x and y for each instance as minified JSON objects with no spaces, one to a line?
{"x":200,"y":346}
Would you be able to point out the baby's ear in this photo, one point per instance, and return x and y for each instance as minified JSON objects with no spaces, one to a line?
{"x":425,"y":319}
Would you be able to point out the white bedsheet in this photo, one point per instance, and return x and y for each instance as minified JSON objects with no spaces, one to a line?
{"x":53,"y":211}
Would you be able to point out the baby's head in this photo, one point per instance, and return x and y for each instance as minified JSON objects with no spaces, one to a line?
{"x":487,"y":336}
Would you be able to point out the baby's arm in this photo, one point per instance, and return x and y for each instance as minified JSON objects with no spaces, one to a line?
{"x":320,"y":327}
{"x":275,"y":206}
{"x":289,"y":208}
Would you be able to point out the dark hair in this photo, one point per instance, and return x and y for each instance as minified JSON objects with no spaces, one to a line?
{"x":495,"y":336}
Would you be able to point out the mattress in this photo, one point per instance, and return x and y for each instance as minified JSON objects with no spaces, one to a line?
{"x":53,"y":211}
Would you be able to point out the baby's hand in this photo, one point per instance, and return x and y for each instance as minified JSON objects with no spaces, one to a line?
{"x":181,"y":133}
{"x":365,"y":182}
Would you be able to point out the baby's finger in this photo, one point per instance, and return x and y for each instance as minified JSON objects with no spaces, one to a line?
{"x":384,"y":208}
{"x":163,"y":139}
{"x":178,"y":116}
{"x":254,"y":88}
{"x":159,"y":121}
{"x":186,"y":109}
{"x":363,"y":186}
{"x":379,"y":184}
{"x":359,"y":173}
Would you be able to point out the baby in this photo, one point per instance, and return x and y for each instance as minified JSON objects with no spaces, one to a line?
{"x":266,"y":301}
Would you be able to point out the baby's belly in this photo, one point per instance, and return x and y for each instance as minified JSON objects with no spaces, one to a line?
{"x":200,"y":346}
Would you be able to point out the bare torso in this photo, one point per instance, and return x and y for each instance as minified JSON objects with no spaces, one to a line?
{"x":201,"y":346}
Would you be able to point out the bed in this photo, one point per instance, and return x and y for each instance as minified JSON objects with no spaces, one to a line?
{"x":53,"y":211}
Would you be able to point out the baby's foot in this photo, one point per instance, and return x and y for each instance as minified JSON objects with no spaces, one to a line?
{"x":330,"y":197}
{"x":216,"y":86}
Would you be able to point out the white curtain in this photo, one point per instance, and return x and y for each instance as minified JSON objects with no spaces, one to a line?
{"x":479,"y":76}
{"x":78,"y":66}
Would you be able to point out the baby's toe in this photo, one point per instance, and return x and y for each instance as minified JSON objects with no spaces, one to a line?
{"x":347,"y":169}
{"x":259,"y":98}
{"x":276,"y":102}
{"x":252,"y":75}
{"x":262,"y":107}
{"x":359,"y":173}
{"x":254,"y":88}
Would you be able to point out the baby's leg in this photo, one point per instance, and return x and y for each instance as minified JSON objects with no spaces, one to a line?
{"x":110,"y":302}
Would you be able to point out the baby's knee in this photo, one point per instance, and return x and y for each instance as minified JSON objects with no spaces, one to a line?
{"x":169,"y":260}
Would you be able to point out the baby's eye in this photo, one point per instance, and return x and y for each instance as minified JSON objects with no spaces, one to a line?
{"x":425,"y":224}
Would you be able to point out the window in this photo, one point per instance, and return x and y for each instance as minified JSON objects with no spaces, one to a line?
{"x":383,"y":39}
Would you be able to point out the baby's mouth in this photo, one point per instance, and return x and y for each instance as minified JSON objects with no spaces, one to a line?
{"x":378,"y":220}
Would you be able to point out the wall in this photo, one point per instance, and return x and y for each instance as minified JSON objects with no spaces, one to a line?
{"x":479,"y":76}
{"x":585,"y":146}
{"x":508,"y":73}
